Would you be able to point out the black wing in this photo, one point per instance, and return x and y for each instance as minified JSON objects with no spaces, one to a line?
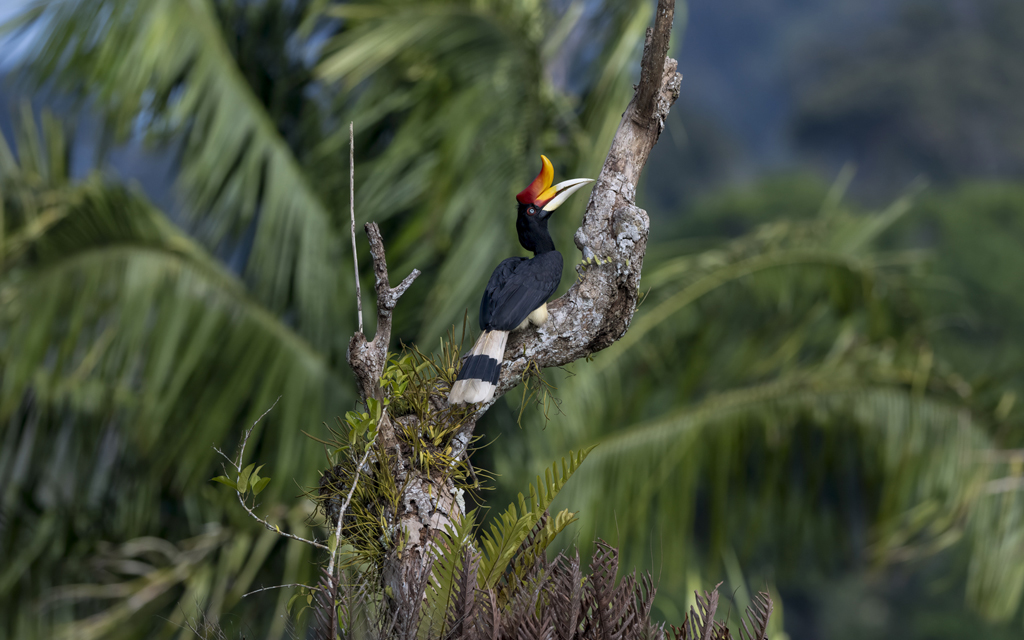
{"x":516,"y":288}
{"x":501,"y":274}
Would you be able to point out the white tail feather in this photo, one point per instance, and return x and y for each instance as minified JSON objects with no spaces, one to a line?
{"x":472,"y":390}
{"x":491,"y":343}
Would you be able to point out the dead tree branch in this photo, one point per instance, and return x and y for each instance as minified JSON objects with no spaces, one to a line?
{"x":593,"y":314}
{"x":367,"y":358}
{"x":597,"y":310}
{"x":352,"y":216}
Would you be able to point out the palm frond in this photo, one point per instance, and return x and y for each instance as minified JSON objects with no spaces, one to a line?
{"x":111,"y":318}
{"x":116,"y":294}
{"x":166,"y":60}
{"x":500,"y":543}
{"x":839,"y":243}
{"x":995,"y":579}
{"x":920,"y":448}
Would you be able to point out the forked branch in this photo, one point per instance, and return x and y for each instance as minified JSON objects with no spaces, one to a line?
{"x":367,"y":358}
{"x":592,"y":315}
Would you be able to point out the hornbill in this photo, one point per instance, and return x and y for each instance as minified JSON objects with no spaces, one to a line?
{"x":517,"y":293}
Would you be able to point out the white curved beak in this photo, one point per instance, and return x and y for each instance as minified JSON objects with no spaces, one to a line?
{"x":562,"y":192}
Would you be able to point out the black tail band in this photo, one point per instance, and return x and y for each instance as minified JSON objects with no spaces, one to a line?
{"x":480,"y":367}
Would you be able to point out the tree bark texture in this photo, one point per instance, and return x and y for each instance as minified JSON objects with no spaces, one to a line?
{"x":590,"y":316}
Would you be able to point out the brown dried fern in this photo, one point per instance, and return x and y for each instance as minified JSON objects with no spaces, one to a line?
{"x":758,"y":614}
{"x":463,"y":614}
{"x":326,"y":609}
{"x":699,"y":624}
{"x":566,"y":598}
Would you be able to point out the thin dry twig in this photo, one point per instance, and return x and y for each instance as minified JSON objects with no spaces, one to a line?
{"x":277,"y":586}
{"x":344,"y":506}
{"x":368,"y":358}
{"x":352,"y":215}
{"x":248,"y":432}
{"x":241,"y":499}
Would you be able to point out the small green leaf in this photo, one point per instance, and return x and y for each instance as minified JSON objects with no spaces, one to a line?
{"x":260,"y":486}
{"x":255,"y":477}
{"x":243,"y":480}
{"x":224,"y":480}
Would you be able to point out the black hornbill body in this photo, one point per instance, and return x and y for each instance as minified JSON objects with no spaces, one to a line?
{"x":517,"y":293}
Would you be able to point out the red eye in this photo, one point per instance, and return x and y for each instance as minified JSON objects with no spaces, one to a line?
{"x":531,"y":211}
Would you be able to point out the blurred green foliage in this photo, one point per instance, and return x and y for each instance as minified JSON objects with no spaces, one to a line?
{"x":935,"y":91}
{"x":792,"y":399}
{"x":976,"y":235}
{"x":809,"y":389}
{"x":132,"y":345}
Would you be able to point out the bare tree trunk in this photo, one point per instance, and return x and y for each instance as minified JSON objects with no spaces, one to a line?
{"x":593,"y":314}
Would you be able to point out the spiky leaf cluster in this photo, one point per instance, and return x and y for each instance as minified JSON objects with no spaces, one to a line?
{"x":548,"y":599}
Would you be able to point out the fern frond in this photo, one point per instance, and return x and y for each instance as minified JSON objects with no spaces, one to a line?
{"x":527,"y":552}
{"x":505,"y":538}
{"x":525,"y":615}
{"x":758,"y":614}
{"x":463,"y":613}
{"x":701,"y":619}
{"x":500,"y":543}
{"x":607,"y":604}
{"x":567,"y":596}
{"x":544,"y":494}
{"x":641,"y":607}
{"x":443,"y":590}
{"x":326,"y":610}
{"x":721,"y":632}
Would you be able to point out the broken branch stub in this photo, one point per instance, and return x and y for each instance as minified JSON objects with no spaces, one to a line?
{"x":368,"y":358}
